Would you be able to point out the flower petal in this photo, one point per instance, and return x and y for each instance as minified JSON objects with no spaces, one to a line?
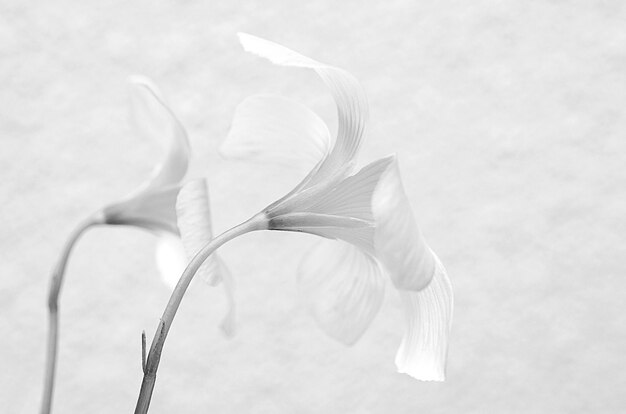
{"x":349,"y":96}
{"x":334,"y":210}
{"x":349,"y":197}
{"x":277,"y":129}
{"x":424,"y":348}
{"x":171,"y":259}
{"x":155,"y":121}
{"x":194,"y":223}
{"x":398,"y":241}
{"x":352,"y":197}
{"x":343,"y":289}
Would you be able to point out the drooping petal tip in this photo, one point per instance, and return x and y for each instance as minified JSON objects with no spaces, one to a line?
{"x":424,"y":348}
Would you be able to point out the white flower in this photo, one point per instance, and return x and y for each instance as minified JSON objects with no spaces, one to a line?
{"x":164,"y":204}
{"x":342,"y":282}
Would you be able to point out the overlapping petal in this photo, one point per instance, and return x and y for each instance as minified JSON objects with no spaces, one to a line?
{"x":371,"y":211}
{"x":277,"y":129}
{"x":399,"y":243}
{"x":153,"y":205}
{"x":352,"y":108}
{"x":336,"y":210}
{"x":342,"y":288}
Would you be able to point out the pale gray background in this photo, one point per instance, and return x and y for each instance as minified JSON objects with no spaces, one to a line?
{"x":509,"y":119}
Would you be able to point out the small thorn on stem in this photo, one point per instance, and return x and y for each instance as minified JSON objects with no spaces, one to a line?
{"x":143,"y":351}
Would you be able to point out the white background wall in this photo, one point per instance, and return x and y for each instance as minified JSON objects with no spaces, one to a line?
{"x":509,"y":122}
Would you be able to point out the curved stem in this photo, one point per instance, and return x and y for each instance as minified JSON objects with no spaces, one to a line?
{"x":258,"y":222}
{"x":56,"y":283}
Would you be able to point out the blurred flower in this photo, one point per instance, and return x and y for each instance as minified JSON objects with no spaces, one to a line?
{"x":164,"y":205}
{"x":342,"y":282}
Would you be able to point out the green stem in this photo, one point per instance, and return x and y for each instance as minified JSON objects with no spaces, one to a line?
{"x":258,"y":222}
{"x":53,"y":307}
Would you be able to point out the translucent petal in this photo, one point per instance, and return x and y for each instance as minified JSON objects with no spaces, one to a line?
{"x":349,"y":197}
{"x":398,"y":241}
{"x":277,"y":129}
{"x":349,"y":96}
{"x":352,"y":197}
{"x":424,"y":348}
{"x":342,"y":287}
{"x":154,"y":120}
{"x":194,"y":223}
{"x":170,"y":258}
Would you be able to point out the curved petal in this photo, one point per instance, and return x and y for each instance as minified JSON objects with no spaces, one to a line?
{"x":424,"y":348}
{"x":194,"y":222}
{"x":352,"y":108}
{"x":398,"y":241}
{"x":154,"y":120}
{"x":342,"y":288}
{"x":170,"y":258}
{"x":277,"y":129}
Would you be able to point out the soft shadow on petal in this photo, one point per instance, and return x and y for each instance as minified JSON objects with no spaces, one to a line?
{"x":342,"y":288}
{"x":171,"y":259}
{"x":194,"y":222}
{"x":277,"y":129}
{"x":399,"y":243}
{"x":352,"y":108}
{"x":424,"y":347}
{"x":154,"y":120}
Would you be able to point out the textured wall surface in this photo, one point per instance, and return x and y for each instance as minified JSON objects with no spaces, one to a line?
{"x":509,"y":120}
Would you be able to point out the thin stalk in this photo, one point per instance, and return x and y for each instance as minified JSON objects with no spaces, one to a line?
{"x":56,"y":283}
{"x":258,"y":222}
